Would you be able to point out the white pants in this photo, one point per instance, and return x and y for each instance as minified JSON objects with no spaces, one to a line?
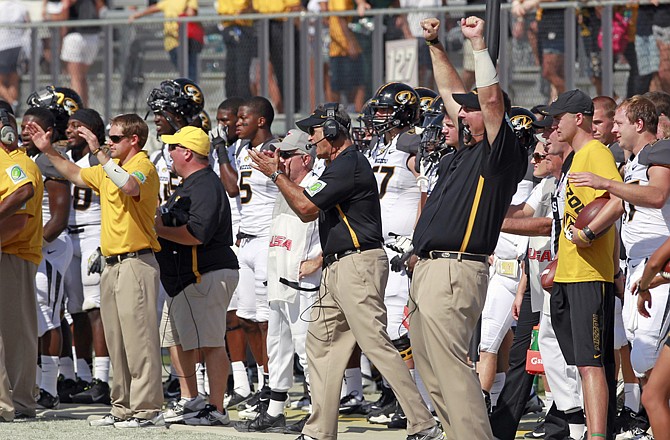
{"x":287,"y":331}
{"x":564,"y":380}
{"x":252,"y":291}
{"x":497,"y":314}
{"x":645,"y":334}
{"x":49,"y":283}
{"x":395,"y":300}
{"x":82,"y":289}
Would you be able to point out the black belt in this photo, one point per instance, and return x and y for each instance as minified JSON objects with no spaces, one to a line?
{"x":433,"y":255}
{"x":330,"y":259}
{"x":242,"y":236}
{"x":113,"y":259}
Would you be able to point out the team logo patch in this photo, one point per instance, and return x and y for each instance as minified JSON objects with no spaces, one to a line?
{"x":16,"y":173}
{"x":316,"y":187}
{"x":141,"y":177}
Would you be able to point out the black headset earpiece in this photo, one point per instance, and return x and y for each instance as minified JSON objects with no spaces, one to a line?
{"x":331,"y":126}
{"x":7,"y":133}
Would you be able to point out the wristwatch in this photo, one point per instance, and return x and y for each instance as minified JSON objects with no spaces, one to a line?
{"x":275,"y":175}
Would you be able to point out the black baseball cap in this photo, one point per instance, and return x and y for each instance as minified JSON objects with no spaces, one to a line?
{"x":544,"y":122}
{"x":572,"y":101}
{"x":318,"y":118}
{"x":471,"y":100}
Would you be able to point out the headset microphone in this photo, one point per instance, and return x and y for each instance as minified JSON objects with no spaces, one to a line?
{"x":313,"y":144}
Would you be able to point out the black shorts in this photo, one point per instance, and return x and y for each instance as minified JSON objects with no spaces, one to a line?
{"x":582,"y":315}
{"x":345,"y":74}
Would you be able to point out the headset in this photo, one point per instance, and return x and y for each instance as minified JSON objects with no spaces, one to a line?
{"x":331,"y":126}
{"x":7,"y":133}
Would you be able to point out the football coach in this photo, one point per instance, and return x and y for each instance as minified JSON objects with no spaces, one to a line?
{"x":350,"y":308}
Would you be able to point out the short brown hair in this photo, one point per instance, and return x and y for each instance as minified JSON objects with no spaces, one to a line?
{"x":132,"y":124}
{"x":638,"y":107}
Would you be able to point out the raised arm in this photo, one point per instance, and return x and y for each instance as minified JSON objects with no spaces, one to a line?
{"x":42,"y":141}
{"x":447,"y":78}
{"x":486,"y":78}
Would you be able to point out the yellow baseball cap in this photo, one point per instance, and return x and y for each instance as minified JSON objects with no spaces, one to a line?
{"x":193,"y":138}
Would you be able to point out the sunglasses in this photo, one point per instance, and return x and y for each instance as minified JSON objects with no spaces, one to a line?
{"x":310,"y":130}
{"x":116,"y":138}
{"x":537,"y":157}
{"x":172,"y":147}
{"x":288,"y":154}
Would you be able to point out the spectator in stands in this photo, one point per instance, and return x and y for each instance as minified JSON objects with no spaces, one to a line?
{"x":239,"y":37}
{"x":661,"y":32}
{"x":662,"y":102}
{"x":12,"y":40}
{"x":174,"y":9}
{"x":80,"y":45}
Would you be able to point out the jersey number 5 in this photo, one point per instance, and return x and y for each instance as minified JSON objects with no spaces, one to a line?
{"x":245,"y":187}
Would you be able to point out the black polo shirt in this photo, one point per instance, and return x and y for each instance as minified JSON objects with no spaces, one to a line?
{"x":347,"y":195}
{"x":203,"y":197}
{"x":465,"y":211}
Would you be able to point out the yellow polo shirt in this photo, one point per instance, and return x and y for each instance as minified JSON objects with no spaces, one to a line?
{"x":593,"y":263}
{"x":338,"y":38}
{"x":173,"y":9}
{"x":127,"y":222}
{"x":274,"y":6}
{"x":20,"y":170}
{"x":234,"y":7}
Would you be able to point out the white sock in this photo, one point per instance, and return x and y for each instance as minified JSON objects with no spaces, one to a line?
{"x":261,"y":381}
{"x":496,"y":389}
{"x":206,"y":382}
{"x":354,"y":380}
{"x":631,"y":392}
{"x":275,"y":408}
{"x":240,"y":378}
{"x":67,"y":368}
{"x":422,"y":389}
{"x":548,"y":401}
{"x":74,"y":359}
{"x":49,"y":374}
{"x":577,"y":431}
{"x":102,"y":368}
{"x":200,"y":378}
{"x":83,"y":370}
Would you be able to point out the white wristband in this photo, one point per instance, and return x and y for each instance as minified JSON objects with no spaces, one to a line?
{"x":485,"y":71}
{"x":117,"y":174}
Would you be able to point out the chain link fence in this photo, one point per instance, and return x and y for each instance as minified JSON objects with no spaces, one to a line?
{"x":300,"y":59}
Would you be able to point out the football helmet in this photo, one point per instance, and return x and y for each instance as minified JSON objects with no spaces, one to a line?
{"x":399,"y":104}
{"x":63,"y":102}
{"x":180,"y":96}
{"x":205,"y":121}
{"x":521,"y":121}
{"x":426,"y":98}
{"x":362,"y":135}
{"x":432,"y":137}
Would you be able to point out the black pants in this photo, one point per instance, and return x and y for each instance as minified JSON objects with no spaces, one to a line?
{"x":241,"y":45}
{"x":277,"y":59}
{"x":514,"y":396}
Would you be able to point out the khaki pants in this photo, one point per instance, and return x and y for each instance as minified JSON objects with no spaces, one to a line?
{"x":18,"y":336}
{"x":446,"y":300}
{"x":351,"y":310}
{"x":128,"y":295}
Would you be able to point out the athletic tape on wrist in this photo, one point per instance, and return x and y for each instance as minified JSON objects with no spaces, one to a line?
{"x":116,"y":174}
{"x":485,"y":71}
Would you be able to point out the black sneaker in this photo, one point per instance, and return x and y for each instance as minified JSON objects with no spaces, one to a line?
{"x":353,"y":403}
{"x":538,"y":432}
{"x":96,"y":392}
{"x":398,"y":420}
{"x":296,"y":428}
{"x":48,"y":401}
{"x":263,"y":423}
{"x":386,"y":398}
{"x":171,"y":388}
{"x":68,"y":387}
{"x":383,"y":416}
{"x":624,"y":421}
{"x":234,"y":399}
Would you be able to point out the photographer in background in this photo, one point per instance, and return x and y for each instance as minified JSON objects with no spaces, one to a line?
{"x":199,"y":272}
